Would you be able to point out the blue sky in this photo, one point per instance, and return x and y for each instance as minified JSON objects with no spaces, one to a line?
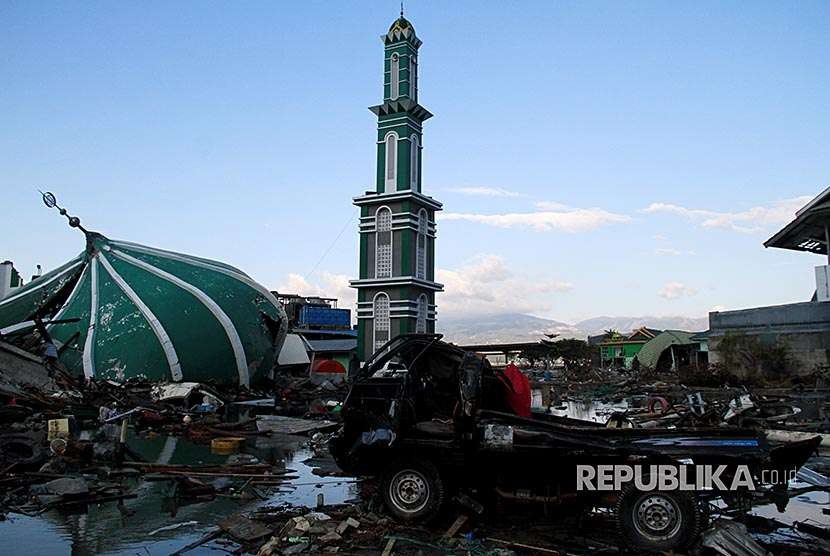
{"x":594,"y":158}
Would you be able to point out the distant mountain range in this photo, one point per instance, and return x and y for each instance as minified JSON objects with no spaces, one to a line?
{"x":518,"y":327}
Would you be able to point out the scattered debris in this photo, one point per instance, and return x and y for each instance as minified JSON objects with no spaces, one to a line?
{"x":109,"y":445}
{"x":732,"y":539}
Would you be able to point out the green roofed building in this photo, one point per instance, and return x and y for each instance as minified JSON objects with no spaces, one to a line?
{"x":396,"y":285}
{"x":138,"y":312}
{"x":618,"y":350}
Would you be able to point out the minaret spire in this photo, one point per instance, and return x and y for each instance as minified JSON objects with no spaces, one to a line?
{"x":396,"y":286}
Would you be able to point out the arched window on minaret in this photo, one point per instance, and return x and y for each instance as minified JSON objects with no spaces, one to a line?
{"x":414,"y":155}
{"x":391,"y":146}
{"x":421,"y":320}
{"x":382,"y":322}
{"x":421,"y":255}
{"x":413,"y":77}
{"x":394,"y":76}
{"x":383,"y":243}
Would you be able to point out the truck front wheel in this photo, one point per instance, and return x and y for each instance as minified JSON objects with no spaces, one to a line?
{"x":658,"y":521}
{"x":413,"y":491}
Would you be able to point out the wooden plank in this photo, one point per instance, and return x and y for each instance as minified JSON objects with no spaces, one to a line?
{"x":255,"y":468}
{"x":387,"y":551}
{"x":457,"y":524}
{"x":525,"y":546}
{"x":244,"y":529}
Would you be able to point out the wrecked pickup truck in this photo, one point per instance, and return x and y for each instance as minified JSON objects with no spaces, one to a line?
{"x":431,"y":419}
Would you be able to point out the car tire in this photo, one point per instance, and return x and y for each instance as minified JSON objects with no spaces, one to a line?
{"x":413,"y":491}
{"x":658,"y":521}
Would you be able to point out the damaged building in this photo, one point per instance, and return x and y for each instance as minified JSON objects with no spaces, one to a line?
{"x":800,"y":331}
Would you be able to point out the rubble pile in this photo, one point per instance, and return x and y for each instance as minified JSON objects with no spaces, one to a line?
{"x":212,"y":467}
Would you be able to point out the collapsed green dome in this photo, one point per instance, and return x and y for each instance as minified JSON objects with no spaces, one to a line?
{"x":147,"y":313}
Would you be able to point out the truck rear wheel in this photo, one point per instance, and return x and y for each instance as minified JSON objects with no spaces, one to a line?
{"x":658,"y":520}
{"x":413,"y":491}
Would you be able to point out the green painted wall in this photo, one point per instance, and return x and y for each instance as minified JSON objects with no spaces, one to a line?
{"x":404,"y":51}
{"x":405,"y":131}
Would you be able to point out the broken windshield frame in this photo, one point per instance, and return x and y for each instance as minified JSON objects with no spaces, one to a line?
{"x":386,"y":352}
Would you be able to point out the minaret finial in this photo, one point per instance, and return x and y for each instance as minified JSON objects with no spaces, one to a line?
{"x":50,"y":201}
{"x":401,"y":9}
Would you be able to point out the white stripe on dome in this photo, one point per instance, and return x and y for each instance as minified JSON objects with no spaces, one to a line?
{"x":17,"y":327}
{"x":89,"y":345}
{"x":174,"y":254}
{"x":155,"y":324}
{"x":207,"y":301}
{"x":69,"y":299}
{"x":238,"y":275}
{"x":45,"y":283}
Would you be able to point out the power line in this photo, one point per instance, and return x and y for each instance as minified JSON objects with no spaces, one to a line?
{"x":330,"y":247}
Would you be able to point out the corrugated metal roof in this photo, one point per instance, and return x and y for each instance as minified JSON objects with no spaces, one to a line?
{"x":807,"y":231}
{"x":293,"y":351}
{"x":320,"y":346}
{"x":315,"y":332}
{"x":649,"y":355}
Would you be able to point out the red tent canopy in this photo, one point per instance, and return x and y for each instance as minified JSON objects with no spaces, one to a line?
{"x":328,"y":366}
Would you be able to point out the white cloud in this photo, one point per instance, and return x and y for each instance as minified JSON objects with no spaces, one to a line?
{"x":486,"y":191}
{"x":717,"y":308}
{"x":486,"y":285}
{"x":676,"y":290}
{"x":552,"y":217}
{"x":551,"y":205}
{"x":667,"y":252}
{"x":330,"y":285}
{"x":751,"y":220}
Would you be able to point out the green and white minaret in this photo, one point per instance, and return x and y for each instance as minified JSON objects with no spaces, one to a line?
{"x":396,"y":288}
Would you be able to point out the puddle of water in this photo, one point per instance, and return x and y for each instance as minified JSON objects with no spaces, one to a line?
{"x":806,"y":507}
{"x":104,"y":529}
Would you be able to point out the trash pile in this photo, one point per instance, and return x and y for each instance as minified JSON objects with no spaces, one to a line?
{"x":159,"y":452}
{"x":81,"y":449}
{"x":71,"y":449}
{"x":785,"y":414}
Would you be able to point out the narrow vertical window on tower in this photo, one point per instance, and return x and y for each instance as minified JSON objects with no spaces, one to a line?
{"x":421,"y":320}
{"x":394,"y":76}
{"x":391,"y":146}
{"x":381,"y":319}
{"x":383,"y":243}
{"x":413,"y":78}
{"x":421,"y":255}
{"x":414,"y":155}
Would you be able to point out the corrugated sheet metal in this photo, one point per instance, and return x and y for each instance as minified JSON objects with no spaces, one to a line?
{"x":322,"y":346}
{"x":649,"y":355}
